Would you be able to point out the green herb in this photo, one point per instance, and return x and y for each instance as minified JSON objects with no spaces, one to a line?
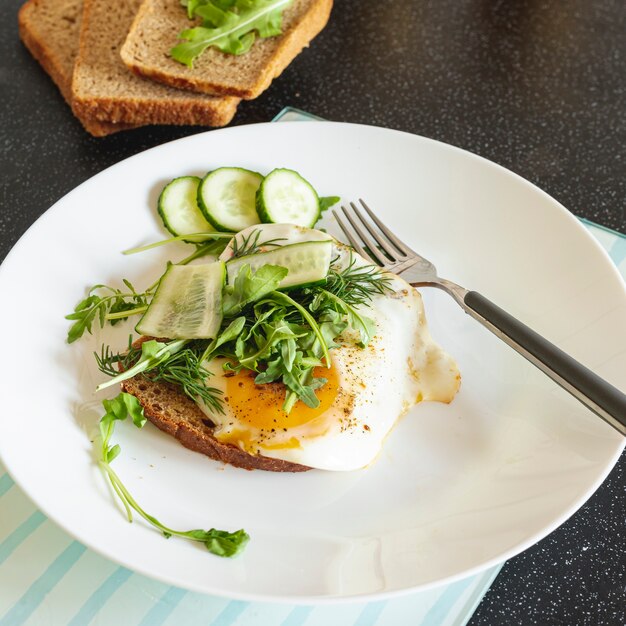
{"x":178,"y":362}
{"x":356,"y":285}
{"x":213,"y":238}
{"x":249,"y":244}
{"x":283,"y":337}
{"x":280,"y":336}
{"x":310,"y":320}
{"x":108,"y":304}
{"x":230,"y":26}
{"x":327,"y":201}
{"x":364,"y":325}
{"x":248,"y":287}
{"x":219,"y":542}
{"x":102,"y":301}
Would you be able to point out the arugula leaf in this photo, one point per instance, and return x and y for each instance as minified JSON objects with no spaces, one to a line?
{"x":230,"y":333}
{"x":101,"y":301}
{"x":359,"y":322}
{"x":152,"y":354}
{"x":229,"y":26}
{"x":224,"y":543}
{"x":219,"y":542}
{"x":310,"y":320}
{"x":278,"y":332}
{"x":327,"y":201}
{"x":250,"y":287}
{"x":288,"y":353}
{"x":273,"y":372}
{"x":178,"y":362}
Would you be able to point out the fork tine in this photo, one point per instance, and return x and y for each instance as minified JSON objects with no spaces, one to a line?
{"x":401,"y":246}
{"x":353,"y":242}
{"x":373,"y":250}
{"x":378,"y":237}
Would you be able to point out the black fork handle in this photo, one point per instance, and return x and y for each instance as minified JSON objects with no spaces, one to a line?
{"x":594,"y":392}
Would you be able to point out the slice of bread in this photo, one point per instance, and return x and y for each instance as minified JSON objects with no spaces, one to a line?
{"x":157,"y":26}
{"x":168,"y":408}
{"x":104,"y":89}
{"x":50,"y":30}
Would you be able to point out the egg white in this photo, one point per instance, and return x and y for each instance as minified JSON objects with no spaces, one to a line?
{"x":375,"y":385}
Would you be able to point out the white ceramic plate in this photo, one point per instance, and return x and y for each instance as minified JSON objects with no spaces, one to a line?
{"x":456,"y":489}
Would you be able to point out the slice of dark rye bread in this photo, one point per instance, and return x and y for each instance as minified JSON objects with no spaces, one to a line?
{"x":50,"y":30}
{"x":104,"y":89}
{"x":158,"y":23}
{"x":169,"y":409}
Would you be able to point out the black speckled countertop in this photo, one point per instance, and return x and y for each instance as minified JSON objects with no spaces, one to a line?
{"x":534,"y":85}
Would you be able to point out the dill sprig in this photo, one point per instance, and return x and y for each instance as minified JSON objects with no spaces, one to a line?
{"x":250,"y":244}
{"x":357,"y":285}
{"x":186,"y":370}
{"x":182,"y":368}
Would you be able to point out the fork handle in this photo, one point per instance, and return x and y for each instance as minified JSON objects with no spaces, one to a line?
{"x":595,"y":393}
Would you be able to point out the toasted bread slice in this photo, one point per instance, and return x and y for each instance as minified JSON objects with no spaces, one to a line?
{"x":169,"y":409}
{"x":104,"y":89}
{"x":50,"y":30}
{"x":155,"y":32}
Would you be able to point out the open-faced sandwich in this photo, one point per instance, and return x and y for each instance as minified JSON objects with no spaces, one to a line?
{"x":286,"y":352}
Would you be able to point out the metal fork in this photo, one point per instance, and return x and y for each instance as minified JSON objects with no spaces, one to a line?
{"x":373,"y":240}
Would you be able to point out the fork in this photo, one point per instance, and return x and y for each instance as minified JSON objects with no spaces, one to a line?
{"x":379,"y":245}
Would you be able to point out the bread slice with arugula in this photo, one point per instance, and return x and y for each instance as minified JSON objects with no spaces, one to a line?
{"x":260,"y":54}
{"x":50,"y":30}
{"x":103,"y":88}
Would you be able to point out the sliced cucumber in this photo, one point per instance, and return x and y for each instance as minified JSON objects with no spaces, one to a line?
{"x":187,"y":303}
{"x":226,"y":197}
{"x":284,"y":197}
{"x":307,"y":262}
{"x":178,"y":208}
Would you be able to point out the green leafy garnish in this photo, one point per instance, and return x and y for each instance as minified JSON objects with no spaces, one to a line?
{"x":109,"y":304}
{"x":219,"y":542}
{"x":217,"y":242}
{"x":249,"y":287}
{"x":250,"y":244}
{"x":178,"y":362}
{"x":327,"y":201}
{"x":283,"y":337}
{"x":230,"y":26}
{"x":102,"y":301}
{"x":280,"y":336}
{"x":356,"y":285}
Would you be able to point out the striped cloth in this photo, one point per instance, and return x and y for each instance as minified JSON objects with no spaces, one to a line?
{"x":47,"y":578}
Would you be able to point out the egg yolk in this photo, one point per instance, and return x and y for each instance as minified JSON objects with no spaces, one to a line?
{"x":261,"y":406}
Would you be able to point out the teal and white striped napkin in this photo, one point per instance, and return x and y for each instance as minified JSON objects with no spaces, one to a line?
{"x":47,"y":578}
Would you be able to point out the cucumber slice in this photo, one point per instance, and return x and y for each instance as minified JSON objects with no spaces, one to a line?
{"x":178,"y":208}
{"x":284,"y":197}
{"x":307,"y":262}
{"x":226,"y":197}
{"x":187,"y":303}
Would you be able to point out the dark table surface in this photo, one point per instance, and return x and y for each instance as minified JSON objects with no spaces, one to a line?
{"x":536,"y":86}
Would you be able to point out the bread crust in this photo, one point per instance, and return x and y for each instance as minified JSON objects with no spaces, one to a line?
{"x":170,"y":410}
{"x":168,"y":106}
{"x":286,"y":48}
{"x":139,"y":111}
{"x":49,"y":59}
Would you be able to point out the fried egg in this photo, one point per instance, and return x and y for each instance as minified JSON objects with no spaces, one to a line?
{"x":367,"y":390}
